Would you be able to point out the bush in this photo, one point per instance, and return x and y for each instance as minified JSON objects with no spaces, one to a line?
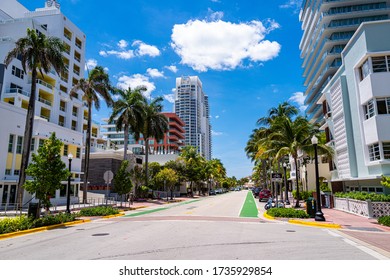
{"x":287,"y":213}
{"x":303,"y":195}
{"x":385,"y":220}
{"x":9,"y":225}
{"x":99,"y":211}
{"x":364,"y":196}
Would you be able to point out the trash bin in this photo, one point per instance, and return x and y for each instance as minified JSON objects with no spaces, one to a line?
{"x":34,"y":210}
{"x":311,"y":207}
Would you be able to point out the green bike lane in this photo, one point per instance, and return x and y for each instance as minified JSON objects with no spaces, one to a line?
{"x":234,"y":205}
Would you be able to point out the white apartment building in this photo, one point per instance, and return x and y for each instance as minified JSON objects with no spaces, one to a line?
{"x":55,"y":110}
{"x":356,"y":103}
{"x":192,"y":106}
{"x":327,"y":27}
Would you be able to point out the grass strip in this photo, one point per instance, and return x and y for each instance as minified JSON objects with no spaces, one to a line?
{"x":249,"y":209}
{"x":159,"y":209}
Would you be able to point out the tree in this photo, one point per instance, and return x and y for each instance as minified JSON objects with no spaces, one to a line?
{"x":193,"y":164}
{"x":122,"y":179}
{"x":154,"y":125}
{"x":128,"y":112}
{"x":154,"y":168}
{"x":169,"y":178}
{"x":47,"y":170}
{"x":38,"y":53}
{"x":137,"y":177}
{"x":97,"y":85}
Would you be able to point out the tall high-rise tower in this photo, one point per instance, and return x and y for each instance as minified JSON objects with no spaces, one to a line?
{"x":327,"y":27}
{"x":192,"y":106}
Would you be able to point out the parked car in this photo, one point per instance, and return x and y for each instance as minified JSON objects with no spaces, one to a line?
{"x":218,"y":191}
{"x":237,"y":189}
{"x":212,"y":192}
{"x":256,"y":191}
{"x":264,"y":195}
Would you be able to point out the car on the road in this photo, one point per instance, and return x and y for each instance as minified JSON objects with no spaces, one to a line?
{"x":256,"y":191}
{"x":264,"y":195}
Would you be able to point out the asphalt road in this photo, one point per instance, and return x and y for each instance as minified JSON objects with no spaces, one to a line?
{"x":207,"y":229}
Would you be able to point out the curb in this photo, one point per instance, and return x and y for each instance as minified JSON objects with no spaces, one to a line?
{"x":39,"y":229}
{"x":113,"y":216}
{"x":314,"y":224}
{"x":268,"y":216}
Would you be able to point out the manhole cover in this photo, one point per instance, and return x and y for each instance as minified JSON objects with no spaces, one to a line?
{"x":100,"y":234}
{"x":290,"y":230}
{"x":192,"y":207}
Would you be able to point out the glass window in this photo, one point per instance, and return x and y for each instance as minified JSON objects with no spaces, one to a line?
{"x":78,"y":150}
{"x":66,"y":150}
{"x":16,"y":172}
{"x":374,"y":152}
{"x":386,"y":150}
{"x":369,"y":109}
{"x":19,"y":145}
{"x":17,"y":72}
{"x":381,"y":106}
{"x":11,"y":143}
{"x":32,"y":144}
{"x":8,"y":172}
{"x":41,"y":142}
{"x":365,"y":70}
{"x":379,"y":64}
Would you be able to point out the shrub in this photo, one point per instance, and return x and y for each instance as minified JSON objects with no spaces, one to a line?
{"x":9,"y":225}
{"x":99,"y":211}
{"x":287,"y":213}
{"x":385,"y":220}
{"x":364,"y":196}
{"x":303,"y":195}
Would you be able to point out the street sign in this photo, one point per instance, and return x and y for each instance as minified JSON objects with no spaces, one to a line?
{"x":276,"y":177}
{"x":108,"y":175}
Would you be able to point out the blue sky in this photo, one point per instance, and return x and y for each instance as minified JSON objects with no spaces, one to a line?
{"x":246,"y":53}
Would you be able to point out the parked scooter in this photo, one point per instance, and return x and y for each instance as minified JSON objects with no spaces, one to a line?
{"x":271,"y":203}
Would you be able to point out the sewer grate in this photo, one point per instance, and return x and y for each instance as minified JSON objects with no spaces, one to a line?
{"x":100,"y":234}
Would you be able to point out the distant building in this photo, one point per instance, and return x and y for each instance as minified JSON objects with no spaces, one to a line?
{"x":55,"y":110}
{"x":192,"y":106}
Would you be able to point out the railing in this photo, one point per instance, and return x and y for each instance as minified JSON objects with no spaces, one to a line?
{"x":61,"y":123}
{"x":76,"y":72}
{"x":43,"y":83}
{"x":74,"y":114}
{"x":67,"y":36}
{"x":45,"y":101}
{"x":18,"y":90}
{"x":78,"y":45}
{"x":44,"y":117}
{"x":73,"y":127}
{"x":77,"y":59}
{"x":62,"y":108}
{"x":64,"y":79}
{"x":366,"y":208}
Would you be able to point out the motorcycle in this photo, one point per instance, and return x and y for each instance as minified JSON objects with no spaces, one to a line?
{"x":271,"y":203}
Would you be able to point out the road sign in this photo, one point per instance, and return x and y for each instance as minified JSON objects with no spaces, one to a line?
{"x":276,"y":177}
{"x":108,"y":175}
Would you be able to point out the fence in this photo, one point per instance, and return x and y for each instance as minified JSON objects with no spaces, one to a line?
{"x":366,"y":208}
{"x":13,"y":209}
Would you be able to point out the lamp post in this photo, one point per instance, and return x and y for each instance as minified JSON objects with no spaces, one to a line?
{"x":70,"y":157}
{"x":287,"y":202}
{"x":319,"y":215}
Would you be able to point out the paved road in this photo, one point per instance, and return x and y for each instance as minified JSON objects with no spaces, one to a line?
{"x":209,"y":228}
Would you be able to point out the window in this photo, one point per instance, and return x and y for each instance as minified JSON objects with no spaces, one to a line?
{"x":386,"y":150}
{"x":369,"y":109}
{"x":17,"y":72}
{"x":8,"y":172}
{"x":364,"y":70}
{"x":19,"y":145}
{"x":41,"y":142}
{"x":379,"y":64}
{"x":78,"y":150}
{"x":32,"y":144}
{"x":66,"y":147}
{"x":374,"y":152}
{"x":16,"y":172}
{"x":11,"y":143}
{"x":381,"y":106}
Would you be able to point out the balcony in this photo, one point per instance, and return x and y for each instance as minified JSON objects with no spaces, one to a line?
{"x":14,"y":91}
{"x":44,"y":101}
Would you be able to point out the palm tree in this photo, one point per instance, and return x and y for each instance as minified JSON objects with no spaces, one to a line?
{"x":128,"y":112}
{"x":193,"y":165}
{"x":97,"y":85}
{"x":153,"y":125}
{"x":38,"y":53}
{"x":283,"y":109}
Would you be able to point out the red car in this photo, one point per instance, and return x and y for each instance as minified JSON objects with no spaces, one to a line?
{"x":264,"y":195}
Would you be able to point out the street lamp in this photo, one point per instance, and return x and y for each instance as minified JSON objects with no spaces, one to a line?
{"x":70,"y":157}
{"x":319,"y":215}
{"x":287,"y":202}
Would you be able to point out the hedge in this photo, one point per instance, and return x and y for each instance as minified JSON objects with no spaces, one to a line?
{"x":385,"y":220}
{"x":364,"y":196}
{"x":287,"y":213}
{"x":99,"y":211}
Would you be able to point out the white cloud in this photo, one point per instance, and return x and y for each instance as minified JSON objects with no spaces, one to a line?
{"x":155,"y":73}
{"x":292,"y":4}
{"x":90,"y":64}
{"x":122,"y":52}
{"x":299,"y":98}
{"x":216,"y":1}
{"x":217,"y":117}
{"x":172,"y":68}
{"x":221,"y":45}
{"x":170,"y":97}
{"x":145,"y":49}
{"x":124,"y":82}
{"x":123,"y":44}
{"x":214,"y":16}
{"x":215,"y":133}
